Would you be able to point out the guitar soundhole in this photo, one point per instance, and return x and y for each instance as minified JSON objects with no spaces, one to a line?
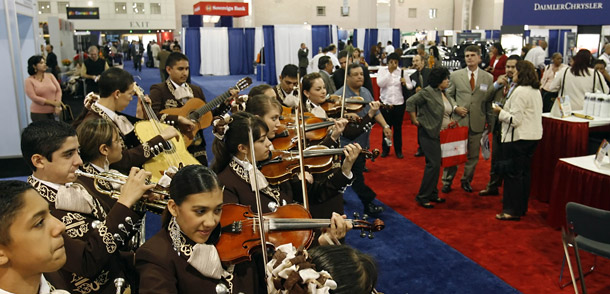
{"x":194,"y":115}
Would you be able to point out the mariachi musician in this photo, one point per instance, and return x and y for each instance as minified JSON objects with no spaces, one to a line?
{"x":116,"y":91}
{"x":96,"y":235}
{"x":175,"y":92}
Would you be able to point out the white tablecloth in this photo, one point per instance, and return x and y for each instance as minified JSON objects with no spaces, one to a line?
{"x":596,"y":122}
{"x":588,"y":163}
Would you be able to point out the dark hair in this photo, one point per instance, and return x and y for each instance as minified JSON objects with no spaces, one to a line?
{"x":331,"y":47}
{"x":342,"y":54}
{"x":323,"y":61}
{"x":527,"y":75}
{"x":393,"y":56}
{"x":114,"y":79}
{"x":473,"y":48}
{"x":32,"y":62}
{"x":92,"y":134}
{"x":581,"y":61}
{"x":174,"y":57}
{"x":177,"y":46}
{"x":599,"y":61}
{"x":44,"y":138}
{"x":258,"y":90}
{"x":325,"y":49}
{"x":437,"y":76}
{"x":191,"y":179}
{"x":11,"y":202}
{"x":50,"y":46}
{"x":389,"y":42}
{"x":435,"y":52}
{"x":514,"y":57}
{"x":237,"y":134}
{"x":308,"y":82}
{"x":351,"y":67}
{"x":498,"y":47}
{"x":353,"y":271}
{"x":261,"y":104}
{"x":290,"y":70}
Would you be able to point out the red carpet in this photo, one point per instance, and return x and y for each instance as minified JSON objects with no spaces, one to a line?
{"x":526,"y":254}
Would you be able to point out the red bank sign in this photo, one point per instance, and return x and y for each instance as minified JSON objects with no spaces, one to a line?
{"x":221,"y":8}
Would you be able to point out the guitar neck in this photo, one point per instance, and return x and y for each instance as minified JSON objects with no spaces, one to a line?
{"x":278,"y":224}
{"x":209,"y":106}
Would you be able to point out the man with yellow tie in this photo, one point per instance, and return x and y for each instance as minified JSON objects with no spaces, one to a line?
{"x":471,"y":91}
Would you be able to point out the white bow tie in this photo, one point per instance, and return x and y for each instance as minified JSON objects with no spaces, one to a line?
{"x":74,"y":198}
{"x":206,"y":260}
{"x":182,"y":93}
{"x":124,"y":124}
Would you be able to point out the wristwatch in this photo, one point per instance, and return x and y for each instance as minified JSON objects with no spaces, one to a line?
{"x":386,"y":126}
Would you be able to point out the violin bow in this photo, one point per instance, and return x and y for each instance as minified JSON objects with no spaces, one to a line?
{"x":300,"y":123}
{"x":261,"y":224}
{"x":347,"y":58}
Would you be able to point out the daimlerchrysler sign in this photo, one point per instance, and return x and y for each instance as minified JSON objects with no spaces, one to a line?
{"x":556,"y":12}
{"x":569,"y":6}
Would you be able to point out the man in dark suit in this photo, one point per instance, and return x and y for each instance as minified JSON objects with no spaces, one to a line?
{"x":504,"y":86}
{"x":419,"y":80}
{"x":136,"y":51}
{"x":175,"y":92}
{"x":52,"y":61}
{"x":303,"y":60}
{"x":326,"y":70}
{"x":471,"y":92}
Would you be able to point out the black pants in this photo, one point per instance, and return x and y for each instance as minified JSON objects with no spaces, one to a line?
{"x":302,"y":71}
{"x":137,"y":62}
{"x":495,"y":178}
{"x":429,"y":183}
{"x":364,"y":192}
{"x":394,"y":117}
{"x":517,"y":181}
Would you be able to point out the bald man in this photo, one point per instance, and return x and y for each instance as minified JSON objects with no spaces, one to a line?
{"x":537,"y":54}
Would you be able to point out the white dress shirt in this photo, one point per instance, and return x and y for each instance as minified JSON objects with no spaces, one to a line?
{"x":606,"y":59}
{"x":536,"y":56}
{"x":44,"y":288}
{"x":390,"y":88}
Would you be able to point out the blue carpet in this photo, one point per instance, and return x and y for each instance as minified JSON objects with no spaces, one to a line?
{"x":410,"y":260}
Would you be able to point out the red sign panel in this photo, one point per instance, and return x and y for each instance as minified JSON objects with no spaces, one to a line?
{"x":221,"y":8}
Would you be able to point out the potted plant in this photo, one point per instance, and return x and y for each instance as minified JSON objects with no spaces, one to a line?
{"x":66,"y":62}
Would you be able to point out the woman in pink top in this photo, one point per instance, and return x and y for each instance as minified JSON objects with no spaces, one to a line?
{"x":43,"y":89}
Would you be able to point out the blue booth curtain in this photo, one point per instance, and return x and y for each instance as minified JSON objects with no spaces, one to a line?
{"x":370,"y":39}
{"x":553,"y":42}
{"x":237,"y":51}
{"x":396,"y":38}
{"x":250,"y":56}
{"x":495,"y":34}
{"x":487,"y":34}
{"x":192,"y":49}
{"x":320,"y":37}
{"x":269,"y":74}
{"x":562,"y":40}
{"x":355,"y":38}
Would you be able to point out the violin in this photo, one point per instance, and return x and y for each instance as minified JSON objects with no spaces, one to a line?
{"x":315,"y":130}
{"x":332,"y":105}
{"x":288,"y":224}
{"x":281,"y":165}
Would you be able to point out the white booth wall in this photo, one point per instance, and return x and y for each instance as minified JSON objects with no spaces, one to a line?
{"x":18,"y":41}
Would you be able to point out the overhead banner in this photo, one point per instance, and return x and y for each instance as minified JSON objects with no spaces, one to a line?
{"x":235,"y":9}
{"x":83,"y":12}
{"x":556,"y":12}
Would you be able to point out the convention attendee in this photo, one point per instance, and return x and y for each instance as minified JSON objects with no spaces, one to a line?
{"x":421,"y":51}
{"x":389,"y":48}
{"x":92,"y":68}
{"x":416,"y":82}
{"x":497,"y":61}
{"x":606,"y":56}
{"x":358,"y":57}
{"x":391,"y":82}
{"x":504,"y":87}
{"x":430,"y":111}
{"x":537,"y":54}
{"x":470,"y":92}
{"x":52,"y":63}
{"x":303,"y":59}
{"x":332,"y":53}
{"x":578,"y":79}
{"x":137,"y":50}
{"x":162,"y":57}
{"x":550,"y":72}
{"x":31,"y":241}
{"x":374,"y":56}
{"x":435,"y":58}
{"x":326,"y":70}
{"x":43,"y":89}
{"x":155,"y":49}
{"x":600,"y":66}
{"x":521,"y":119}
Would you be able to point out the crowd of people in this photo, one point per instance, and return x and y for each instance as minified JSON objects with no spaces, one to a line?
{"x":85,"y":237}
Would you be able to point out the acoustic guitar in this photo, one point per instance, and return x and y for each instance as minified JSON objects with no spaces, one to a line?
{"x":199,"y":112}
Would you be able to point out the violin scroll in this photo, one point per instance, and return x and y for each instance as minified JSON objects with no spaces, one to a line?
{"x":366,"y":227}
{"x":371,"y":154}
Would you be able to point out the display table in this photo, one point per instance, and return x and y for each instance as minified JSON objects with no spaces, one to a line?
{"x":578,"y":179}
{"x":566,"y":137}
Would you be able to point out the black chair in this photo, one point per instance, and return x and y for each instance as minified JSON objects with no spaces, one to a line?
{"x":588,"y":230}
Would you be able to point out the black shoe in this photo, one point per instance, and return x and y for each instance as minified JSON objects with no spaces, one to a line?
{"x":384,"y":154}
{"x":489,"y":192}
{"x":419,"y":153}
{"x":425,"y":204}
{"x":438,"y":200}
{"x":466,"y":186}
{"x":446,"y":189}
{"x":372,"y":209}
{"x":399,"y":156}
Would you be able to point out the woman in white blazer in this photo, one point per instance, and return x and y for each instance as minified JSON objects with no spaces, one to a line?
{"x":521,"y":120}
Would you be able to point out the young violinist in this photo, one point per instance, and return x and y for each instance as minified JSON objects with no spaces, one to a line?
{"x":98,"y":236}
{"x":31,"y":241}
{"x":182,"y":257}
{"x":116,"y":91}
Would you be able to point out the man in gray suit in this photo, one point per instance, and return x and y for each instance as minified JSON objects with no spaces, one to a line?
{"x":471,"y":92}
{"x":303,"y":60}
{"x":326,"y":69}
